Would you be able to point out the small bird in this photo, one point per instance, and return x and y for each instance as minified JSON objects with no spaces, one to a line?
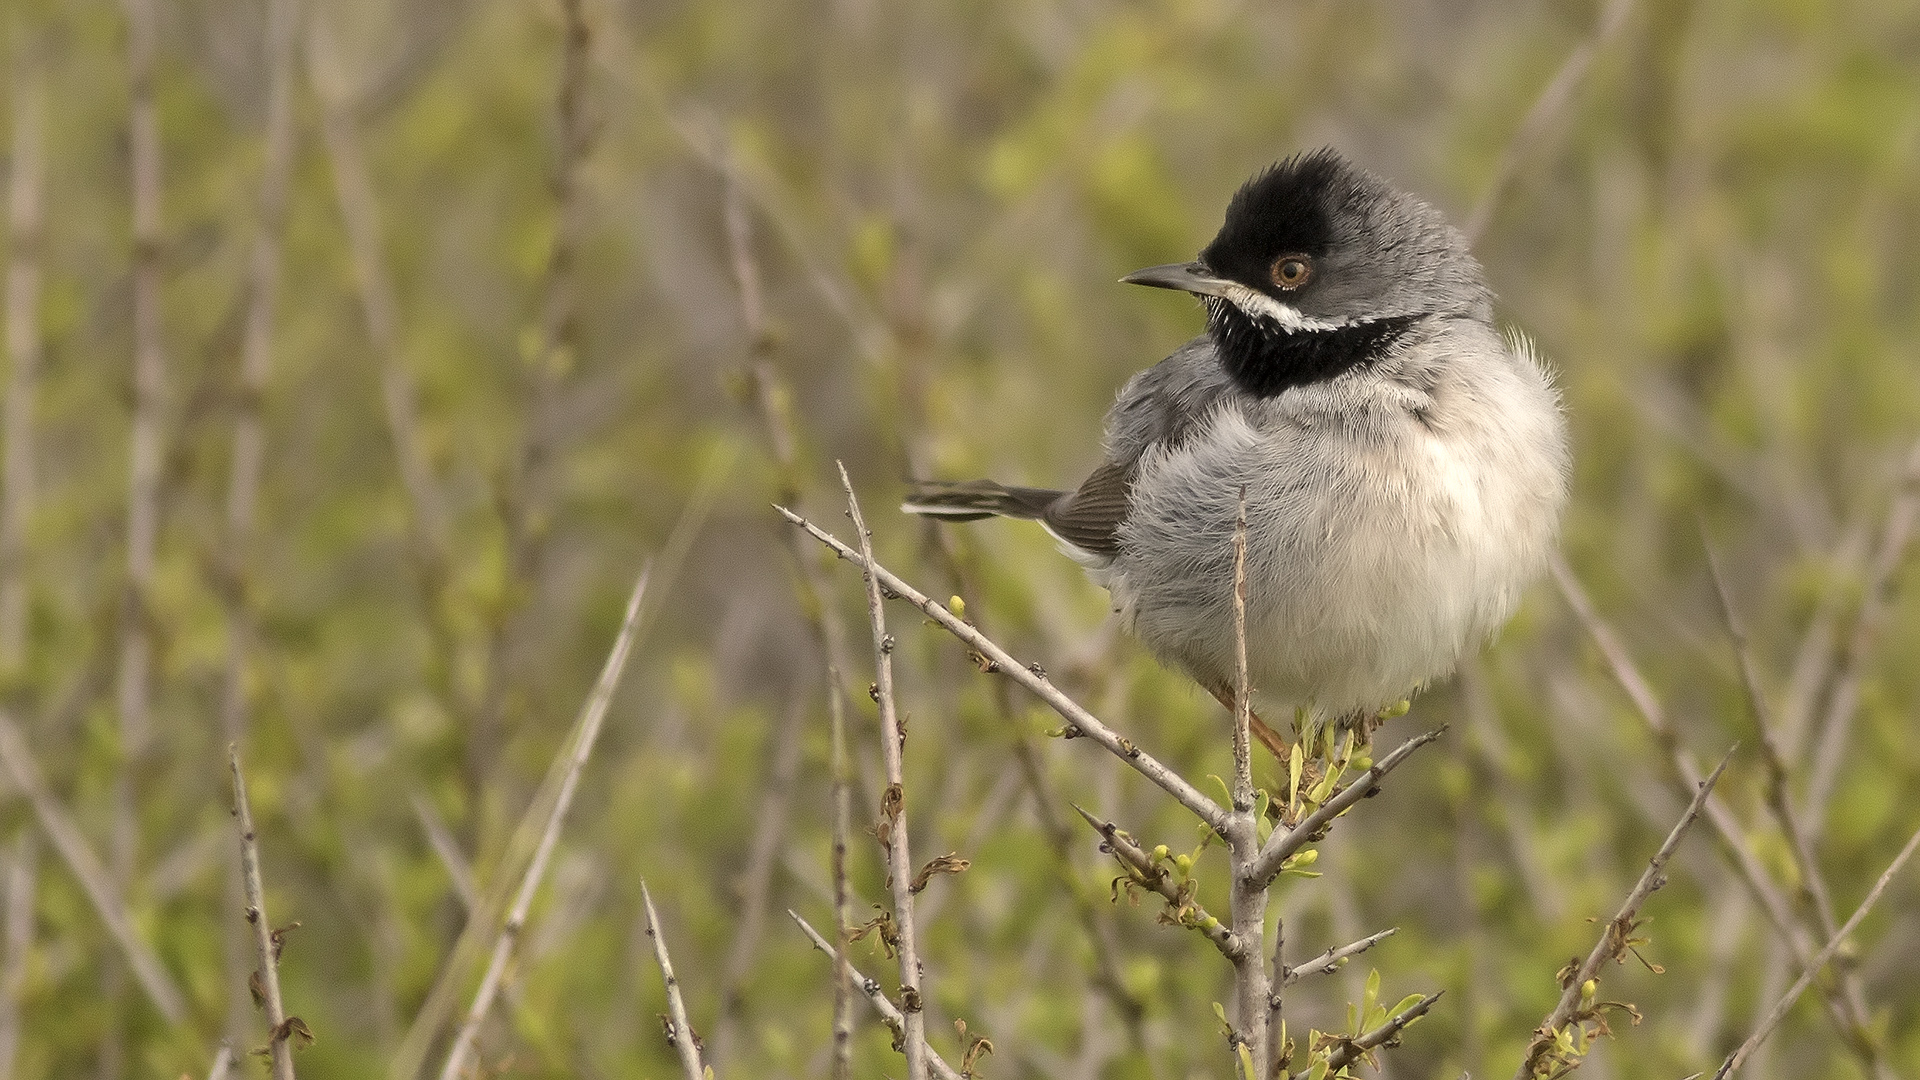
{"x":1403,"y":463}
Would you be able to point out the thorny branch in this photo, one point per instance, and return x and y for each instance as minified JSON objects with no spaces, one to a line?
{"x":1577,"y":1003}
{"x":892,"y":827}
{"x":679,"y":1031}
{"x":265,"y":982}
{"x":871,"y":989}
{"x":1281,"y":845}
{"x":1082,"y":722}
{"x":1145,"y":869}
{"x":1329,"y":962}
{"x":577,"y":751}
{"x":1826,"y":955}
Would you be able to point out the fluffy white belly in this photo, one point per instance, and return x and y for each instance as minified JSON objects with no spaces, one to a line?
{"x":1382,"y":544}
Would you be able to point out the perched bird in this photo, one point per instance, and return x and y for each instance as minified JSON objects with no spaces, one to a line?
{"x":1403,"y":462}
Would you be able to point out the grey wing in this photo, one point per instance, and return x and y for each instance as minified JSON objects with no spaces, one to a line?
{"x":1158,"y":407}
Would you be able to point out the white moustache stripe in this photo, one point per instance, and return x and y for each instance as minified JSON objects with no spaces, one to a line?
{"x":1259,"y":305}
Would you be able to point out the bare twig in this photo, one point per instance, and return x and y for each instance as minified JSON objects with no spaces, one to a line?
{"x":893,"y":810}
{"x":527,"y":491}
{"x":222,"y":1062}
{"x":1779,"y":798}
{"x":1247,"y":897}
{"x":1082,"y":722}
{"x":680,"y":1035}
{"x":267,"y":976}
{"x":875,"y":994}
{"x":1146,"y":871}
{"x":578,"y":750}
{"x":1281,"y":845}
{"x":1848,"y":1022}
{"x":1542,"y":117}
{"x":1353,"y":1049}
{"x":440,"y":838}
{"x":249,"y":437}
{"x":86,"y":866}
{"x":1617,"y":939}
{"x":842,"y":895}
{"x":133,"y":689}
{"x":26,"y":181}
{"x":16,"y":932}
{"x":1826,"y":955}
{"x":1329,"y":962}
{"x":353,"y":187}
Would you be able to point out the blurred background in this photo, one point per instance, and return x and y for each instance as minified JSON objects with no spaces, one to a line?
{"x":360,"y":355}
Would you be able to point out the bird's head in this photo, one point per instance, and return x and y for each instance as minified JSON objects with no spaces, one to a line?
{"x":1319,"y":267}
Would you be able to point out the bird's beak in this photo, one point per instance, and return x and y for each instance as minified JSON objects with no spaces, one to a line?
{"x":1190,"y":277}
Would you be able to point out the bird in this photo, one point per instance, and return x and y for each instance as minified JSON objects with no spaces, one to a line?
{"x":1402,"y":462}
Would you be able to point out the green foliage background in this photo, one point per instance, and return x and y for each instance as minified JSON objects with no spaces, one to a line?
{"x":1716,"y":244}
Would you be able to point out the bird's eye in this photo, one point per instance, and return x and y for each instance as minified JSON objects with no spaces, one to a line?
{"x":1292,"y":271}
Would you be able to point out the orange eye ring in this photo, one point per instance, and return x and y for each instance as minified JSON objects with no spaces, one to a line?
{"x":1290,"y":272}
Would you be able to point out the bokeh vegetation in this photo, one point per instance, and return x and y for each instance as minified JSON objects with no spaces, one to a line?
{"x":1715,"y":241}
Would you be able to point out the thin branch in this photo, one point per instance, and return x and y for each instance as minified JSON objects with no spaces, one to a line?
{"x":1247,"y":895}
{"x":1542,"y":118}
{"x":249,"y":437}
{"x":90,"y":872}
{"x":476,"y":938}
{"x":1330,"y":961}
{"x":440,"y":838}
{"x":133,"y":689}
{"x":1826,"y":955}
{"x":528,"y":488}
{"x":1082,"y":721}
{"x":1851,"y":1024}
{"x":16,"y":933}
{"x":680,"y":1033}
{"x":1843,"y":701}
{"x":1147,"y":872}
{"x":353,"y":188}
{"x":580,"y":749}
{"x":222,"y":1062}
{"x":267,"y":975}
{"x":893,"y":809}
{"x":1779,"y":798}
{"x":1352,"y":1050}
{"x":1617,"y":939}
{"x":1281,"y":845}
{"x":25,"y":240}
{"x":842,"y":895}
{"x":875,"y":994}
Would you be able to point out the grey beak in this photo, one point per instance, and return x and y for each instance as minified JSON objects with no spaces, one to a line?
{"x":1187,"y":277}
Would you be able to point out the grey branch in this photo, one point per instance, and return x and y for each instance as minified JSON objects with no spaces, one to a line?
{"x":1247,"y":893}
{"x":581,"y":748}
{"x":1614,"y":939}
{"x":25,"y":216}
{"x":1083,"y":721}
{"x":1350,"y":1051}
{"x":893,"y":809}
{"x":1155,"y":877}
{"x":681,"y":1035}
{"x":1779,"y":1010}
{"x":1849,"y":1021}
{"x":92,"y":874}
{"x":16,"y":932}
{"x":875,"y":994}
{"x":1329,"y":962}
{"x":279,"y":1037}
{"x":1281,"y":845}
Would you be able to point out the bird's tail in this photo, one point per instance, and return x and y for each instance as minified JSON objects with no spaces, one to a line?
{"x":970,"y":500}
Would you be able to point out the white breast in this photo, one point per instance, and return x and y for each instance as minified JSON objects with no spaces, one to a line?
{"x":1392,"y":524}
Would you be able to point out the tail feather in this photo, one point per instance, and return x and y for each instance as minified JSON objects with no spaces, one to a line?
{"x":970,"y":500}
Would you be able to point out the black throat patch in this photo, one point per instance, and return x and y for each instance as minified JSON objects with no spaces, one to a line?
{"x":1264,"y":359}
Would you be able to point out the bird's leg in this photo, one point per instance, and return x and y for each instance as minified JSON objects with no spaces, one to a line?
{"x":1269,"y":738}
